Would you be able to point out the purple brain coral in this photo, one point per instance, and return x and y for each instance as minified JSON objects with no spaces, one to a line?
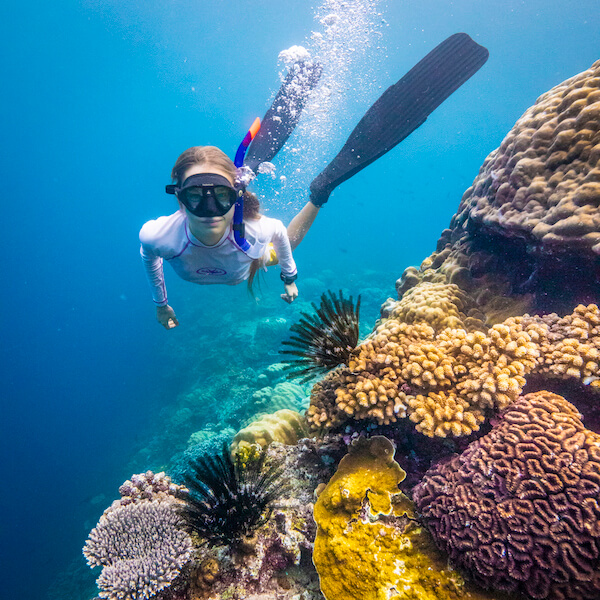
{"x":519,"y":509}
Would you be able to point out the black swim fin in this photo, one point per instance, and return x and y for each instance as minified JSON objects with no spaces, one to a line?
{"x":283,"y":115}
{"x":401,"y":109}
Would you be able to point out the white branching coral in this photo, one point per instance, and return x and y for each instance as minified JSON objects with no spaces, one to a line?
{"x":141,"y":548}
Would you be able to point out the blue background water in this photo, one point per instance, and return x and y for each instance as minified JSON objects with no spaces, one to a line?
{"x":98,"y":99}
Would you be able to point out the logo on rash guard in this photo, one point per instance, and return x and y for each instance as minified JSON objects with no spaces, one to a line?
{"x":208,"y":271}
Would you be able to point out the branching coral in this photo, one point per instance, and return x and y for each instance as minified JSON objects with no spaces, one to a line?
{"x":230,"y":499}
{"x":519,"y":508}
{"x":446,"y":380}
{"x":572,"y":348}
{"x":324,"y":339}
{"x":148,"y":486}
{"x":141,"y":547}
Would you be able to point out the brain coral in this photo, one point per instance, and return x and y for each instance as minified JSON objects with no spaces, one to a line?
{"x":368,"y":546}
{"x":543,"y":182}
{"x":447,"y":380}
{"x":519,"y":509}
{"x":141,"y":548}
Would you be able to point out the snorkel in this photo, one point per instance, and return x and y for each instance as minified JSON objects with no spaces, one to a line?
{"x":238,"y":215}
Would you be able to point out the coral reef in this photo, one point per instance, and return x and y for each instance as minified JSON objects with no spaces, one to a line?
{"x":543,"y":182}
{"x":439,"y":304}
{"x":572,"y":347}
{"x":284,"y":395}
{"x":148,"y":486}
{"x":200,"y":444}
{"x":325,"y":339}
{"x":141,"y":547}
{"x":446,"y":381}
{"x":368,"y":545}
{"x":229,"y":499}
{"x":518,"y":510}
{"x":526,"y":236}
{"x":275,"y":562}
{"x":285,"y":426}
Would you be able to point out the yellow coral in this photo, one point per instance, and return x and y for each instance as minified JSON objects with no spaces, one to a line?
{"x":285,"y":426}
{"x":446,"y":381}
{"x":439,"y":304}
{"x":247,"y":454}
{"x":368,"y":547}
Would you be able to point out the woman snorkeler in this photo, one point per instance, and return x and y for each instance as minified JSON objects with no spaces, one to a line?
{"x":218,"y":234}
{"x":200,"y":240}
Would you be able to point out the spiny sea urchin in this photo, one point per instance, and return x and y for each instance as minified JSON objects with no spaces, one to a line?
{"x":228,"y":498}
{"x":324,"y":340}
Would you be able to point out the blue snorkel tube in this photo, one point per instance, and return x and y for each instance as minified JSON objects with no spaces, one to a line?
{"x":238,"y":215}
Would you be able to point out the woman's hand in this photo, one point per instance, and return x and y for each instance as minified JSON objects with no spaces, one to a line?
{"x":291,"y":292}
{"x":165,"y":315}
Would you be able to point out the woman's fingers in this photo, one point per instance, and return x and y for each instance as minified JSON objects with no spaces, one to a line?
{"x":166,"y":317}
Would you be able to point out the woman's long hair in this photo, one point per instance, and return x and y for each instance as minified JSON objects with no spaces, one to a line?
{"x":200,"y":155}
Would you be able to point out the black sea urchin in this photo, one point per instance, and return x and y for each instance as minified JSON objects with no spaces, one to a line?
{"x":324,"y":340}
{"x":228,"y":498}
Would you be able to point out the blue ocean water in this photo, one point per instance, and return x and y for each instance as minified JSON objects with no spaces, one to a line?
{"x":99,"y":98}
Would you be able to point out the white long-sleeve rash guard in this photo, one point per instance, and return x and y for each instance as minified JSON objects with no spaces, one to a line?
{"x":169,"y":238}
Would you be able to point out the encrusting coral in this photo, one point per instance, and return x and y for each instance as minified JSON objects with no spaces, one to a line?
{"x":285,"y":426}
{"x":519,"y":509}
{"x":447,"y":380}
{"x":141,"y":546}
{"x":368,"y":545}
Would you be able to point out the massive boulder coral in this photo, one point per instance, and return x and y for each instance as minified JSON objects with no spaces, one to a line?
{"x":284,"y":395}
{"x":439,"y":304}
{"x":285,"y":426}
{"x":526,"y":236}
{"x":543,"y":182}
{"x":368,"y":545}
{"x":519,"y":510}
{"x":448,"y":380}
{"x":142,"y":548}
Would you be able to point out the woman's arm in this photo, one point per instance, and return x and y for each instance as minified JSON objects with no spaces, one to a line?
{"x":301,"y":223}
{"x":289,"y":272}
{"x":153,"y":265}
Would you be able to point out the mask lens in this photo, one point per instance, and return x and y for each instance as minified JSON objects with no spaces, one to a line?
{"x":224,"y":197}
{"x":192,"y":198}
{"x":208,"y":201}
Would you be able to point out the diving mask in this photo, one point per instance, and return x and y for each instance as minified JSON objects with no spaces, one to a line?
{"x":206,"y":194}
